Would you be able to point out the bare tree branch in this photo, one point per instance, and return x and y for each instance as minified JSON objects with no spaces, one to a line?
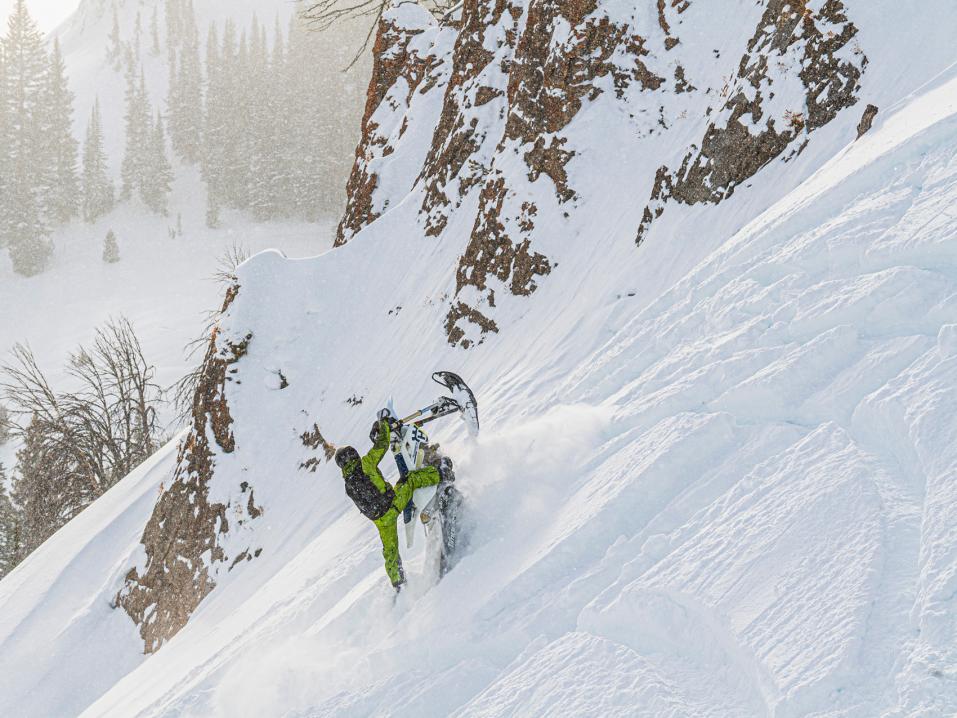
{"x":105,"y":427}
{"x":323,"y":15}
{"x":184,"y":389}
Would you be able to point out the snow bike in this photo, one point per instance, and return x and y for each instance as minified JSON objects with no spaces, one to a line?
{"x":442,"y":504}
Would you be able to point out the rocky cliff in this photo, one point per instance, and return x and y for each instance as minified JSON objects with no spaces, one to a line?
{"x":524,"y":87}
{"x":504,"y":130}
{"x":183,"y":539}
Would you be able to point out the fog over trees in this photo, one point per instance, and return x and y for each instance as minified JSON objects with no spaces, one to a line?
{"x":97,"y":190}
{"x":38,"y":162}
{"x":255,"y":109}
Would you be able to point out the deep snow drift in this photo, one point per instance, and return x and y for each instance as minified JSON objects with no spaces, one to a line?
{"x":716,"y":475}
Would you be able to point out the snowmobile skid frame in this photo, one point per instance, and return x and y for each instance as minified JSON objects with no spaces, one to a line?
{"x":445,"y":406}
{"x":442,"y":504}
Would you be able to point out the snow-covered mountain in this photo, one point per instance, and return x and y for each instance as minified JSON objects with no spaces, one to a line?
{"x":699,"y":263}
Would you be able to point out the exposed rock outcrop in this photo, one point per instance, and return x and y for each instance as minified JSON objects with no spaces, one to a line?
{"x":749,"y":132}
{"x":550,"y":76}
{"x":183,"y":539}
{"x":867,"y":121}
{"x":516,"y":76}
{"x":472,"y":108}
{"x":399,"y":70}
{"x":313,"y":439}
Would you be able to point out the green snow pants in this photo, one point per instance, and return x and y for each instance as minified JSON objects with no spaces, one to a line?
{"x":388,"y":530}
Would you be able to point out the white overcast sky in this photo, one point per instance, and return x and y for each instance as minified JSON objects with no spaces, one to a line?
{"x":47,"y":13}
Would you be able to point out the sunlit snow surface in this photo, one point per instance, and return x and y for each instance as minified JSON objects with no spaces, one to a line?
{"x":733,"y":494}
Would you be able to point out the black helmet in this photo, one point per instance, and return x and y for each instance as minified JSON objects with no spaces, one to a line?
{"x":345,"y":455}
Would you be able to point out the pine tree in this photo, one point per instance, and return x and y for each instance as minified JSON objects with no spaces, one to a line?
{"x":111,"y":250}
{"x":265,"y":166}
{"x":5,"y":425}
{"x":186,"y":92}
{"x":129,"y":170}
{"x":62,"y":192}
{"x":9,"y":529}
{"x":238,"y":156}
{"x":215,"y":123}
{"x":154,"y":34}
{"x":138,"y":35}
{"x":5,"y":164}
{"x":50,"y":488}
{"x":279,"y":121}
{"x":115,"y":50}
{"x":138,"y":135}
{"x":157,"y":172}
{"x":173,"y":101}
{"x":130,"y":59}
{"x":307,"y":133}
{"x":339,"y":103}
{"x":173,"y":24}
{"x":98,"y":188}
{"x":26,"y":66}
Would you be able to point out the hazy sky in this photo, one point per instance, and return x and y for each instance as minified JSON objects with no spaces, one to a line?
{"x":47,"y":13}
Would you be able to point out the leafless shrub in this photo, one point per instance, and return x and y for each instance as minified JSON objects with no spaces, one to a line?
{"x":78,"y":443}
{"x":109,"y":423}
{"x":325,"y":14}
{"x":228,"y":262}
{"x":183,"y":390}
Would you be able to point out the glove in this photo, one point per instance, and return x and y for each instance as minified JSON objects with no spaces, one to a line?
{"x":374,"y":432}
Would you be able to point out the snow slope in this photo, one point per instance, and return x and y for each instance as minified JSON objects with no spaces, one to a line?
{"x":716,"y":474}
{"x":61,"y":641}
{"x":741,"y":504}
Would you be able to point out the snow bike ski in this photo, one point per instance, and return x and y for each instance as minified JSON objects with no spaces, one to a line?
{"x":443,"y":504}
{"x":443,"y":521}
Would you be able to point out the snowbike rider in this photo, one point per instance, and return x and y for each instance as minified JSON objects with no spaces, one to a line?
{"x":377,"y":499}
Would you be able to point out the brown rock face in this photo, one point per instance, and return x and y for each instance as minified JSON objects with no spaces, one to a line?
{"x":518,"y":74}
{"x":391,"y":61}
{"x":315,"y":440}
{"x":547,"y":84}
{"x":183,"y":537}
{"x":867,"y":121}
{"x":491,"y":252}
{"x":464,"y":311}
{"x":664,"y":6}
{"x":731,"y":151}
{"x":463,"y":127}
{"x":546,"y":89}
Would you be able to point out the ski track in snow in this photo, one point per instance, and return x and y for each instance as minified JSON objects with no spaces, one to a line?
{"x":738,"y":500}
